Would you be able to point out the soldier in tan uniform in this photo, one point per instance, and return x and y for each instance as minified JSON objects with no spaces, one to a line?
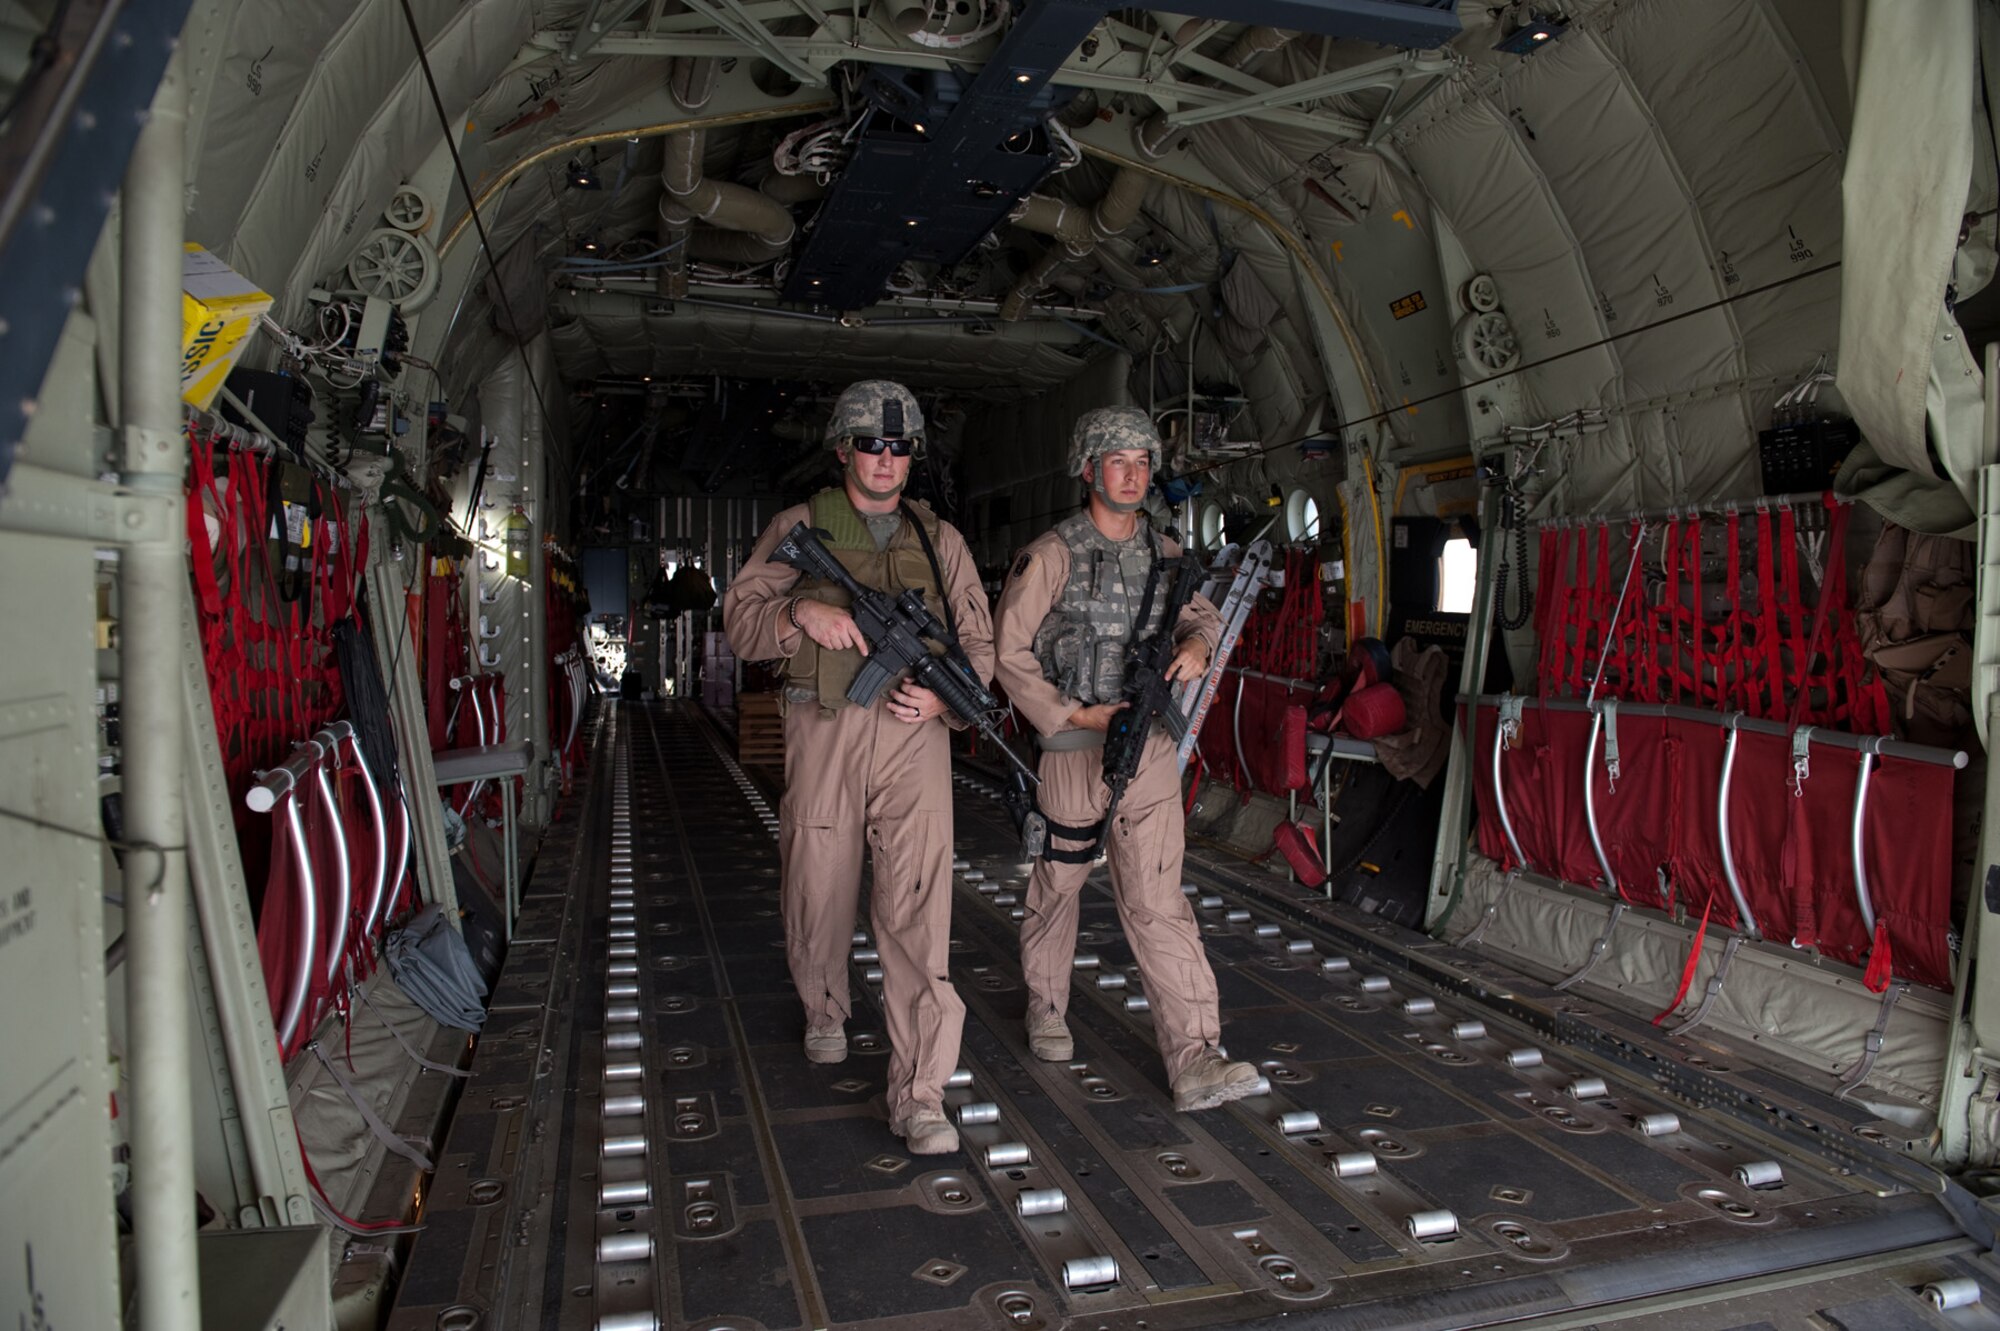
{"x":1062,"y":628}
{"x":878,"y":776}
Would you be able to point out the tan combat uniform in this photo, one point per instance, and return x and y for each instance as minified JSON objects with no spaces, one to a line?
{"x":856,"y":775}
{"x":1147,"y":840}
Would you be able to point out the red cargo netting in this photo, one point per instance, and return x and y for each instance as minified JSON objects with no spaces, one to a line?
{"x":1755,"y":643}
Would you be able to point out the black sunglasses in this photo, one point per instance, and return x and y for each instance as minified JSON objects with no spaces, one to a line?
{"x":873,"y":446}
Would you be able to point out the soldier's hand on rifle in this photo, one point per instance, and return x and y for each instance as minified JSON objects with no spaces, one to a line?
{"x":1190,"y":661}
{"x":1098,"y":717}
{"x":831,"y":628}
{"x":914,"y":704}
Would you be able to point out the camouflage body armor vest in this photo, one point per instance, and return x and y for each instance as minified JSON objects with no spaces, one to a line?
{"x":1081,"y":645}
{"x":815,"y":672}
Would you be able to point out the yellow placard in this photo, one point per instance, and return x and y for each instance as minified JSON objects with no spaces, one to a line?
{"x":219,"y":309}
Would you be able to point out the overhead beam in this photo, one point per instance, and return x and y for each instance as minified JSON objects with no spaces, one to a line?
{"x":1413,"y":24}
{"x":598,"y":19}
{"x":1122,"y":73}
{"x":731,"y":18}
{"x":1393,"y":115}
{"x":1390,"y":70}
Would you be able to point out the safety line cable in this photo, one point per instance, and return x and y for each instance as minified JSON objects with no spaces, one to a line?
{"x":1267,"y":449}
{"x":1530,"y":365}
{"x":478,"y":222}
{"x":98,"y":838}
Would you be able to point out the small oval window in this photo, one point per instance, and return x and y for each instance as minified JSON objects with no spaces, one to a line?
{"x":1301,"y":516}
{"x":1211,"y":526}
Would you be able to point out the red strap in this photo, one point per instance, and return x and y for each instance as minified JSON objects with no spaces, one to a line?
{"x":1643,"y":668}
{"x":1697,"y":622}
{"x":1578,"y":604}
{"x":1687,"y":971}
{"x":1832,"y":590}
{"x":1670,"y":610}
{"x":1795,"y":609}
{"x":1606,"y":596}
{"x":1547,"y":619}
{"x":1880,"y":965}
{"x":1735,"y":669}
{"x":1768,"y":641}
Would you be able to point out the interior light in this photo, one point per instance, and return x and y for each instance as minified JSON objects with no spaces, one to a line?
{"x":581,"y":176}
{"x":1537,"y":31}
{"x":1024,"y":78}
{"x":918,"y":126}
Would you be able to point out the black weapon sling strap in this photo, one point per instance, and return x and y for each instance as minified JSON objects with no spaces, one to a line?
{"x":1089,"y":835}
{"x":937,"y":572}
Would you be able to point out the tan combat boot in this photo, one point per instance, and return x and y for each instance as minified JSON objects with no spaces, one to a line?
{"x":1212,"y":1080}
{"x":1049,"y":1040}
{"x":826,"y":1044}
{"x":926,"y":1131}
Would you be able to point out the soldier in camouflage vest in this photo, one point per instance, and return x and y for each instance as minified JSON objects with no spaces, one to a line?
{"x":878,"y":776}
{"x":1064,"y":622}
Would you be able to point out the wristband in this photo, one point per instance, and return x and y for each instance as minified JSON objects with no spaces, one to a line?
{"x":792,"y":613}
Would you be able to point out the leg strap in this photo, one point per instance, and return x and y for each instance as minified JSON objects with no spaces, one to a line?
{"x":1492,"y":909}
{"x":1871,"y":1044}
{"x":404,"y":1040}
{"x":1714,"y":989}
{"x":1087,"y":835}
{"x":382,"y":1131}
{"x":1598,"y":948}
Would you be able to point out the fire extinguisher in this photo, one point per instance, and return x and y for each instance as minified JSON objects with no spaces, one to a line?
{"x":519,"y":533}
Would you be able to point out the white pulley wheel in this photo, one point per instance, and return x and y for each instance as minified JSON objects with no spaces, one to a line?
{"x":1482,"y":294}
{"x":397,"y":267}
{"x":1488,"y":342}
{"x":409,"y":209}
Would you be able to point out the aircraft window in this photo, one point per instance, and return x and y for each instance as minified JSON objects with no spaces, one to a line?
{"x":1458,"y":573}
{"x":1302,"y":516}
{"x":1211,"y":527}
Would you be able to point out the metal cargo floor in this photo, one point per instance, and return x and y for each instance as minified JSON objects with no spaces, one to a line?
{"x":643,"y":1144}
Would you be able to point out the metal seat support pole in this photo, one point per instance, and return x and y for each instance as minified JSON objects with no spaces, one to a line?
{"x":510,"y":868}
{"x":1590,"y":798}
{"x":1745,"y":920}
{"x":1857,"y":839}
{"x":1506,"y":730}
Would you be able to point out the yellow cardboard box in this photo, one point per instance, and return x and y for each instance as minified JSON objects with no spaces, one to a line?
{"x":218,"y":311}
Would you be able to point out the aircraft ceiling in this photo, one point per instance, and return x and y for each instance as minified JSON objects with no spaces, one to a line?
{"x":1657,"y":156}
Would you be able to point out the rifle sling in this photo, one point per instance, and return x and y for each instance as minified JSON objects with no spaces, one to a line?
{"x":937,"y":572}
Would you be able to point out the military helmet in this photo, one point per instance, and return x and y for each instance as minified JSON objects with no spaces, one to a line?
{"x":1104,"y":430}
{"x":875,"y":408}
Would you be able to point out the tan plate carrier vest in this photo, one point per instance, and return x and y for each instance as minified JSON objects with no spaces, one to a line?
{"x":899,"y":566}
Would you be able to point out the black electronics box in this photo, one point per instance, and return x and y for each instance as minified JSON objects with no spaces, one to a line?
{"x":281,"y":401}
{"x":1801,"y":457}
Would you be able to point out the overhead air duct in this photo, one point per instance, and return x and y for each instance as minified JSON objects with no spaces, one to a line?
{"x":1077,"y":232}
{"x":749,"y":226}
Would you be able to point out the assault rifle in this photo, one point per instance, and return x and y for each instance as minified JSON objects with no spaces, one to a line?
{"x":895,"y":628}
{"x":1149,"y":697}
